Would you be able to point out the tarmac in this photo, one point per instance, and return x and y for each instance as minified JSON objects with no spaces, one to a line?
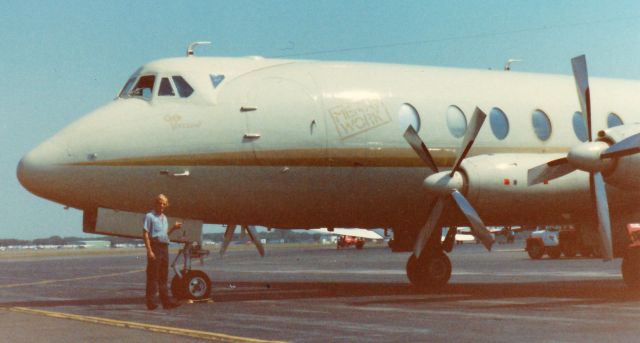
{"x":321,"y":295}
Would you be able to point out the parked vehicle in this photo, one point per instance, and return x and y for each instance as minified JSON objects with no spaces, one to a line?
{"x":556,"y":241}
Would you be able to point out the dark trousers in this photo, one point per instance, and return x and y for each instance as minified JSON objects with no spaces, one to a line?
{"x":157,"y":273}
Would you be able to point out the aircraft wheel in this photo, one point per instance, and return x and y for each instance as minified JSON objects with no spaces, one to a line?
{"x":631,"y":269}
{"x":535,"y":250}
{"x":554,"y":252}
{"x":197,"y":285}
{"x":177,"y":287}
{"x":430,"y":271}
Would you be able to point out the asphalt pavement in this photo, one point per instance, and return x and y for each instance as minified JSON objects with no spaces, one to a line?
{"x":320,"y":295}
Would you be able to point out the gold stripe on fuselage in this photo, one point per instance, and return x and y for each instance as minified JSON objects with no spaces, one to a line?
{"x":384,"y":157}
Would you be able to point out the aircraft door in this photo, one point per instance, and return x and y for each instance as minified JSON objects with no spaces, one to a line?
{"x":286,"y":125}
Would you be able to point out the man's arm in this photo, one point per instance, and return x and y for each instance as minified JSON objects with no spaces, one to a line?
{"x":147,"y":244}
{"x":176,"y":226}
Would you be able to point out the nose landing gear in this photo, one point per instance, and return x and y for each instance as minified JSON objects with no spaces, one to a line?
{"x":188,"y":283}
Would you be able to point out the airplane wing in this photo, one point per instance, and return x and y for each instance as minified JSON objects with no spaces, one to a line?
{"x":364,"y":233}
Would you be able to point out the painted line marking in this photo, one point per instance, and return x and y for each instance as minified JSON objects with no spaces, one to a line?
{"x":211,"y":336}
{"x":484,"y":315}
{"x":44,"y":282}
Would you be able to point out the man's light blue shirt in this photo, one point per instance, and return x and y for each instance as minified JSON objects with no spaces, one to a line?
{"x":157,"y":226}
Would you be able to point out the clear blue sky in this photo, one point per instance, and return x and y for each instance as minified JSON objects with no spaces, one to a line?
{"x":61,"y":59}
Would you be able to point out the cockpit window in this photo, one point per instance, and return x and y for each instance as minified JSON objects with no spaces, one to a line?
{"x":165,"y":88}
{"x":144,"y":87}
{"x":127,"y":87}
{"x":184,"y":89}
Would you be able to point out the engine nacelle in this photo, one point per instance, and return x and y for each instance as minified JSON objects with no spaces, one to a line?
{"x":497,"y":187}
{"x":625,"y":173}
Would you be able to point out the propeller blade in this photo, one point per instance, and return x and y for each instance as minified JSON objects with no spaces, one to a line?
{"x":477,"y":226}
{"x":411,"y":136}
{"x":470,"y":136}
{"x":429,"y":226}
{"x":549,"y":171}
{"x":581,"y":76}
{"x":604,"y":226}
{"x":251,"y":232}
{"x":627,"y":146}
{"x":228,"y":236}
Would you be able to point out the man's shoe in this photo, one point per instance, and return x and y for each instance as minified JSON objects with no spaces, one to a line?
{"x":170,"y":305}
{"x":152,"y":306}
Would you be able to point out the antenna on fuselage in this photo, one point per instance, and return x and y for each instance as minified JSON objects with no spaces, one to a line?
{"x":193,"y":45}
{"x":507,"y":66}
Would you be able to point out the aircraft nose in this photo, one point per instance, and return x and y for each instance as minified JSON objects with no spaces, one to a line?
{"x":36,"y":170}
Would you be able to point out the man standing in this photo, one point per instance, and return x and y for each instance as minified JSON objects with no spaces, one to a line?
{"x":156,"y":240}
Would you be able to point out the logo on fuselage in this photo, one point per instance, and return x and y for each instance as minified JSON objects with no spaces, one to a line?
{"x":357,"y":117}
{"x":175,"y":121}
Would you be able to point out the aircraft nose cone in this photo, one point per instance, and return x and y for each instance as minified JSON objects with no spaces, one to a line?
{"x":35,"y":169}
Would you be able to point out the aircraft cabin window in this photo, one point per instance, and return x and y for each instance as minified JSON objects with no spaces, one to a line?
{"x":184,"y":89}
{"x":456,"y":121}
{"x":499,"y":123}
{"x":613,"y":120}
{"x":408,"y":116}
{"x":541,"y":124}
{"x":144,"y":87}
{"x":579,"y":127}
{"x":165,"y":88}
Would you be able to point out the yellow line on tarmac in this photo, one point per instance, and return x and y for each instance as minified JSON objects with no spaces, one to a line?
{"x":44,"y":282}
{"x":211,"y":336}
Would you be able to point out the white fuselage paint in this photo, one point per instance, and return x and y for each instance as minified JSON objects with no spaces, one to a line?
{"x":300,"y":144}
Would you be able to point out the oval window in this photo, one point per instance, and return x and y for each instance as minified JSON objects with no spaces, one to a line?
{"x":579,"y":127}
{"x":408,"y":116}
{"x":456,"y":121}
{"x":499,"y":123}
{"x":613,"y":120}
{"x":541,"y":124}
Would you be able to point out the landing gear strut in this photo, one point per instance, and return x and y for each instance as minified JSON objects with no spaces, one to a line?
{"x":188,"y":283}
{"x":431,"y":270}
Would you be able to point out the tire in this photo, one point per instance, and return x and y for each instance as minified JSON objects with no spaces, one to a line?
{"x":431,"y":271}
{"x":631,"y":269}
{"x":177,"y":287}
{"x":359,"y":245}
{"x":535,"y":250}
{"x":554,"y":252}
{"x":197,"y":285}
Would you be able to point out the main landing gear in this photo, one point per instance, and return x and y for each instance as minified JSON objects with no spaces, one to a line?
{"x":431,"y":270}
{"x":188,"y":283}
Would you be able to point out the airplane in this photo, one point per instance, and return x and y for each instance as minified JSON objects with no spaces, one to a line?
{"x":306,"y":144}
{"x":350,"y":236}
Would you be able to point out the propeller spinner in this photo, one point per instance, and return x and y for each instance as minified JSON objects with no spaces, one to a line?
{"x":447,"y":185}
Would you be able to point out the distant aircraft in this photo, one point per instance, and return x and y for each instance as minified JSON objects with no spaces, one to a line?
{"x":306,"y":144}
{"x":349,"y":237}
